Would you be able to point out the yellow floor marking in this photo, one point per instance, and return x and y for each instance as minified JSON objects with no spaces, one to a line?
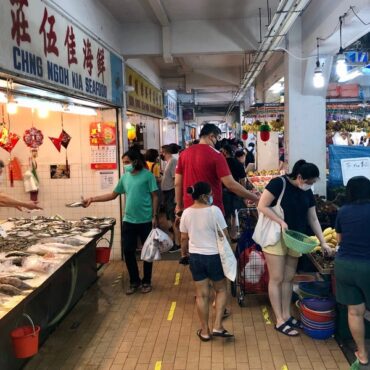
{"x":177,"y":278}
{"x":158,"y":365}
{"x":266,"y":315}
{"x":284,"y":367}
{"x":172,"y":311}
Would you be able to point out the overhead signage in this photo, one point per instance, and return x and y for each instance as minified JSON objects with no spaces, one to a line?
{"x":146,"y":98}
{"x":352,"y":167}
{"x":40,"y":44}
{"x":170,"y":105}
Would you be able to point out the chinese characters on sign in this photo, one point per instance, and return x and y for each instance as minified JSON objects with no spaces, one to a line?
{"x":352,"y":167}
{"x":19,"y":30}
{"x":68,"y":57}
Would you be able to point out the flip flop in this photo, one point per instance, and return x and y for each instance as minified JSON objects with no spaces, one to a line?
{"x":201,"y":337}
{"x":359,"y":361}
{"x":286,"y":329}
{"x":224,"y":334}
{"x":294,"y":323}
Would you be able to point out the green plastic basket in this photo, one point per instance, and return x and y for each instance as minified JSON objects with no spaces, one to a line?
{"x":298,"y":242}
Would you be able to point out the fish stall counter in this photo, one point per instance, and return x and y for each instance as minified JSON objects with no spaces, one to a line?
{"x":46,"y":264}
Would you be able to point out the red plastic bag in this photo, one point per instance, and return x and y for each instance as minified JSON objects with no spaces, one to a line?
{"x":253,"y":272}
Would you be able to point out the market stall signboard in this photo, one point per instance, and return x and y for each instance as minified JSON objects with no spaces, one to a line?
{"x":103,"y":146}
{"x":170,"y":105}
{"x":352,"y":167}
{"x":38,"y":43}
{"x":146,"y":98}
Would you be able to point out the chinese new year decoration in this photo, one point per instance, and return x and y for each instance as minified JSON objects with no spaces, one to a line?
{"x":131,"y":133}
{"x":265,"y":132}
{"x":244,"y":135}
{"x":33,"y":138}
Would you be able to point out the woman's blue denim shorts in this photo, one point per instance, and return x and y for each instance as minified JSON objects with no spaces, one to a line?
{"x":206,"y":267}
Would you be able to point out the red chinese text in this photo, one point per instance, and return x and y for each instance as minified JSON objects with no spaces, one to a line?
{"x":88,"y":57}
{"x":100,"y":62}
{"x":71,"y":46}
{"x":19,"y":22}
{"x":50,"y":38}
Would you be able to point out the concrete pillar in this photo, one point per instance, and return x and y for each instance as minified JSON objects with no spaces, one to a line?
{"x":305,"y":115}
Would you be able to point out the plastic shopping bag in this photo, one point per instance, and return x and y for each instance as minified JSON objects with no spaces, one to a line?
{"x":164,"y":241}
{"x":150,"y":251}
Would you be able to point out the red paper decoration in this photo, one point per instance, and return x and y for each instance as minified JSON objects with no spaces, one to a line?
{"x":33,"y":138}
{"x":65,"y":138}
{"x":57,"y":142}
{"x":12,"y":141}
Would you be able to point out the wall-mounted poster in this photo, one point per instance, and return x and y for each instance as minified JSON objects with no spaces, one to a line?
{"x":59,"y":171}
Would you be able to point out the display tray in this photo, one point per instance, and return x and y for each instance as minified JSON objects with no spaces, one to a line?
{"x":54,"y":293}
{"x":324,"y":266}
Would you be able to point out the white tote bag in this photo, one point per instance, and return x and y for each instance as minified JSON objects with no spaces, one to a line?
{"x":268,"y":232}
{"x":228,"y":260}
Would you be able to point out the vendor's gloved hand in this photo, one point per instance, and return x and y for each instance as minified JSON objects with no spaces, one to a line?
{"x":184,"y":260}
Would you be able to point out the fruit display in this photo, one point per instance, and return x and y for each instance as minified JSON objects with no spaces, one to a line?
{"x":330,"y":237}
{"x":263,"y":173}
{"x":260,"y":181}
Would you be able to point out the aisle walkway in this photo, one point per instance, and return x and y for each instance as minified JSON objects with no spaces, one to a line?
{"x":109,"y":330}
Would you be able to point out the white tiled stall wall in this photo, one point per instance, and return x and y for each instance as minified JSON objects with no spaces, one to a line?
{"x":54,"y":194}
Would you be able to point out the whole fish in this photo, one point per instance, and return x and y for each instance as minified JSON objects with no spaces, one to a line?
{"x":17,"y":254}
{"x":20,"y":275}
{"x":9,"y":290}
{"x":18,"y":283}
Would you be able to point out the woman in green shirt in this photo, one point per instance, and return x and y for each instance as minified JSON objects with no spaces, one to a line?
{"x":139,"y":187}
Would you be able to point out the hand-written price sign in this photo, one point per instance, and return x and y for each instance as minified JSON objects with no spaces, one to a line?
{"x":352,"y":167}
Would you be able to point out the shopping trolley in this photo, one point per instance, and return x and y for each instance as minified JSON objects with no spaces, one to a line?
{"x":252,"y":275}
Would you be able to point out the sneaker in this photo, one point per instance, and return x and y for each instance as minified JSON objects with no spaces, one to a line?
{"x":175,"y":248}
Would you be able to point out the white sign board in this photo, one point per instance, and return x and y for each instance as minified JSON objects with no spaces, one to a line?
{"x":40,"y":44}
{"x":268,"y":152}
{"x":352,"y":167}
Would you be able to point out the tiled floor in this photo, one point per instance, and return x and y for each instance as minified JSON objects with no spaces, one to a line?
{"x":109,"y":330}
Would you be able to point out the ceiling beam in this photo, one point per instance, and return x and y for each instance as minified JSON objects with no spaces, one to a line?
{"x":160,"y":13}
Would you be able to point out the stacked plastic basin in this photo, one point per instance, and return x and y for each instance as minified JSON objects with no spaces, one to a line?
{"x":317,"y":310}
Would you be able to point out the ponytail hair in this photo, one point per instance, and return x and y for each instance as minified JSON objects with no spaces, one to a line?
{"x":305,"y":169}
{"x":199,"y":189}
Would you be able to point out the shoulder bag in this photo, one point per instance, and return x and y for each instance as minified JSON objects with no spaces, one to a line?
{"x":268,"y":232}
{"x":228,"y":260}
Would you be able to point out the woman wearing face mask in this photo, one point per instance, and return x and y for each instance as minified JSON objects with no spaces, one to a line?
{"x":298,"y":204}
{"x":139,"y":187}
{"x":198,"y":240}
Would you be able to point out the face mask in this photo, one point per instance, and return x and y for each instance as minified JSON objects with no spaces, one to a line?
{"x":210,"y":200}
{"x":305,"y":187}
{"x":128,"y":167}
{"x":162,"y":157}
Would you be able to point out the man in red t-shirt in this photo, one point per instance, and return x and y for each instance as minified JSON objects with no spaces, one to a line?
{"x":202,"y":162}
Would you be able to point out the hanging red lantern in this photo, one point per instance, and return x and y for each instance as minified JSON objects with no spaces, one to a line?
{"x":265,"y":132}
{"x":244,"y":135}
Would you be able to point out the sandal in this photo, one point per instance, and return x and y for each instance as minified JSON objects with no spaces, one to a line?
{"x":359,"y":361}
{"x":287,"y":329}
{"x":146,"y":288}
{"x":294,"y":323}
{"x":224,"y":334}
{"x":201,"y":337}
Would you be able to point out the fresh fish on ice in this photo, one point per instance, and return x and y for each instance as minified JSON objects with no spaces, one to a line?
{"x":21,"y":275}
{"x":9,"y":290}
{"x":18,"y":283}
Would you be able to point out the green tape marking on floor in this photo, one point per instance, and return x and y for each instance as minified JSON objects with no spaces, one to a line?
{"x":172,"y":311}
{"x":266,"y":316}
{"x":158,"y":365}
{"x":177,"y":278}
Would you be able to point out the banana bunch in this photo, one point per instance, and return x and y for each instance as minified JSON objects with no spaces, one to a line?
{"x":330,"y":237}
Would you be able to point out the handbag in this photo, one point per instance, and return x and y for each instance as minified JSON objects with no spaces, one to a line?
{"x":150,"y":251}
{"x":228,"y":260}
{"x":268,"y":232}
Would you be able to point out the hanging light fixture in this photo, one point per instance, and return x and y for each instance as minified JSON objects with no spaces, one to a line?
{"x":318,"y":77}
{"x":341,"y":66}
{"x":11,"y":105}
